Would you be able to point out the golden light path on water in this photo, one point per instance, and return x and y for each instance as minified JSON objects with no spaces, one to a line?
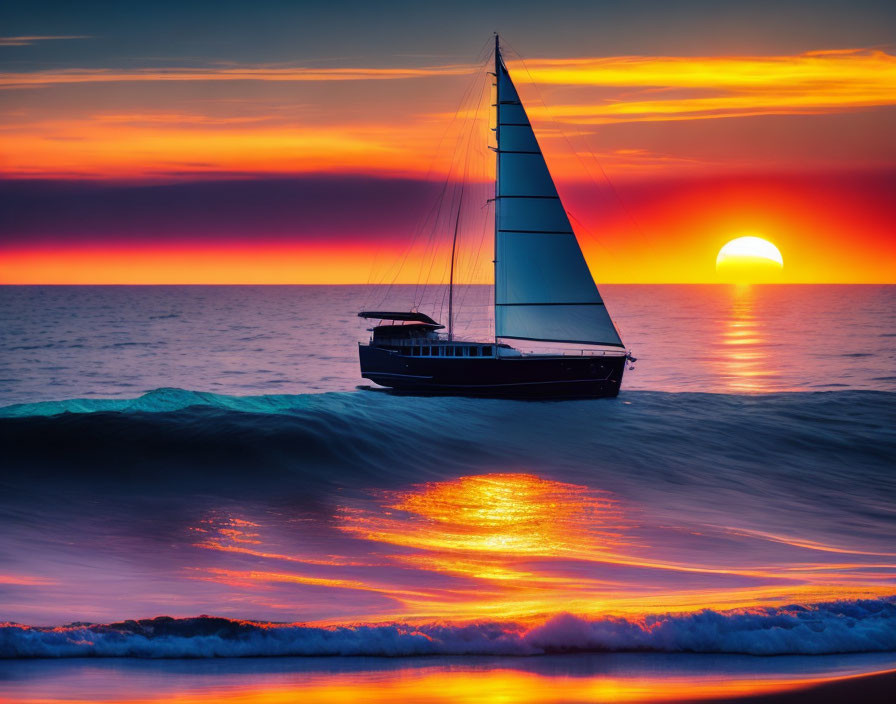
{"x":743,"y":353}
{"x":516,"y":546}
{"x":457,"y":684}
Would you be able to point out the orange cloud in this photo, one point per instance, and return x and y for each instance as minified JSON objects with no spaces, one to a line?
{"x":813,"y":68}
{"x":88,"y":149}
{"x":255,"y":263}
{"x":814,"y":82}
{"x":132,"y":141}
{"x":21,"y":580}
{"x":247,"y":73}
{"x":29,"y":40}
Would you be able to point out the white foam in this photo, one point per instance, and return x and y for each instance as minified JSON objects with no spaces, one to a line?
{"x":833,"y":627}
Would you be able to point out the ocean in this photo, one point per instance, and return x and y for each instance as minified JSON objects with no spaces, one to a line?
{"x":199,"y":472}
{"x":64,"y":342}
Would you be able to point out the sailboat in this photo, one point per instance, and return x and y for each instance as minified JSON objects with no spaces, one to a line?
{"x":544,"y":295}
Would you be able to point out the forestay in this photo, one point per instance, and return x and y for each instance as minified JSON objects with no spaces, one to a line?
{"x":543,"y":288}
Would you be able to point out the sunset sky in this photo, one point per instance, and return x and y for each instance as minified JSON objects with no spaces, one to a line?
{"x":270,"y":142}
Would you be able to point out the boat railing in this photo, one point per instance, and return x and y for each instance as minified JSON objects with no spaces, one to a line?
{"x":441,"y":340}
{"x":566,"y":352}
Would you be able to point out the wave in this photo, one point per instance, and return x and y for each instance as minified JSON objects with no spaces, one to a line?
{"x":776,"y":447}
{"x":168,"y":400}
{"x":858,"y":626}
{"x":387,"y":432}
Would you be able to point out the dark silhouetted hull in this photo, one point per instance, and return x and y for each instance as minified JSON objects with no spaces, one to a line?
{"x":520,"y":377}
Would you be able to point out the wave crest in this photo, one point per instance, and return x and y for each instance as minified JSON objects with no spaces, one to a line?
{"x":867,"y":625}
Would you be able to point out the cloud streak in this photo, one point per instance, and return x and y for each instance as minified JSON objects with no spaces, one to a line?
{"x":244,"y":73}
{"x":717,"y":87}
{"x":153,"y":130}
{"x":29,"y":40}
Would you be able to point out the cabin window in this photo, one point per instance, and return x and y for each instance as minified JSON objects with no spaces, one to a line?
{"x":474,"y":351}
{"x":487,"y":351}
{"x":415,"y":350}
{"x":425,"y":351}
{"x":458,"y":351}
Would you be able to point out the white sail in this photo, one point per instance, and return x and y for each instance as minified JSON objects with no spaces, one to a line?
{"x":543,"y":288}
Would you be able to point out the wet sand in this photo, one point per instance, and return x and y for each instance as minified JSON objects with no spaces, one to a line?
{"x":868,"y":689}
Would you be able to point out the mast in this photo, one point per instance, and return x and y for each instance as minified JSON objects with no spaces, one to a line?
{"x":497,"y":166}
{"x":460,"y":205}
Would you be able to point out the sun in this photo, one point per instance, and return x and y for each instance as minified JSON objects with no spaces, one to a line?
{"x":749,"y":260}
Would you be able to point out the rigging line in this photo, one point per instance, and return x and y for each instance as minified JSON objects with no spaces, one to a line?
{"x":609,"y":183}
{"x":470,"y":149}
{"x":460,"y":205}
{"x":460,"y":191}
{"x":434,"y":226}
{"x":473,"y":259}
{"x":422,"y":224}
{"x":554,"y":121}
{"x":476,"y":98}
{"x":431,"y":240}
{"x":476,"y":261}
{"x":591,"y":236}
{"x":432,"y":259}
{"x":432,"y":217}
{"x":612,"y":187}
{"x":466,"y":142}
{"x":429,"y":249}
{"x":483,"y":55}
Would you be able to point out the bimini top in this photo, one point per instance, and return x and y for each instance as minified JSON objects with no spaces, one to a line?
{"x":407,"y":316}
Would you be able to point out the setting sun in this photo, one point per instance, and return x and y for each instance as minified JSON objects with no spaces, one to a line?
{"x":749,"y":259}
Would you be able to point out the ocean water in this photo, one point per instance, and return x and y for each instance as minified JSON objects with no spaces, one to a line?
{"x":194,"y":472}
{"x":61,"y":342}
{"x":556,"y":679}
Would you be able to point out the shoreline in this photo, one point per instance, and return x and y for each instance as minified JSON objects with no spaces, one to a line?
{"x":873,"y":688}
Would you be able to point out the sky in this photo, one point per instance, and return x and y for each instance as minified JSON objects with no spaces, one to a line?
{"x":284,"y":142}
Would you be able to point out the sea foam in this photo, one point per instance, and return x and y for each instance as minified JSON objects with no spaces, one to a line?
{"x":834,"y":627}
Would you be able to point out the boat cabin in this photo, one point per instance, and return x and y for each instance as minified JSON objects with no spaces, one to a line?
{"x":415,"y":335}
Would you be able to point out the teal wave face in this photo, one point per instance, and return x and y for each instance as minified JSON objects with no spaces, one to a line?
{"x":365,"y":506}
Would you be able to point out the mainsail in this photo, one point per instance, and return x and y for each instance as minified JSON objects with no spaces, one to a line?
{"x":543,"y":288}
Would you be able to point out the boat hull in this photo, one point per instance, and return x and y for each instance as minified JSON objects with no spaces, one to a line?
{"x":528,"y":376}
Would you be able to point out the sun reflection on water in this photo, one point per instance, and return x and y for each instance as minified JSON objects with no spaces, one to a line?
{"x":743,"y":360}
{"x":457,"y":684}
{"x":504,"y":514}
{"x":517,"y":546}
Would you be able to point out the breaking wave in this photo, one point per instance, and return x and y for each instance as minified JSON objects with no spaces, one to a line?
{"x":834,"y":627}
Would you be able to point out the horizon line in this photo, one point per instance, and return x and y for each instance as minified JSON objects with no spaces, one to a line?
{"x":359,"y":283}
